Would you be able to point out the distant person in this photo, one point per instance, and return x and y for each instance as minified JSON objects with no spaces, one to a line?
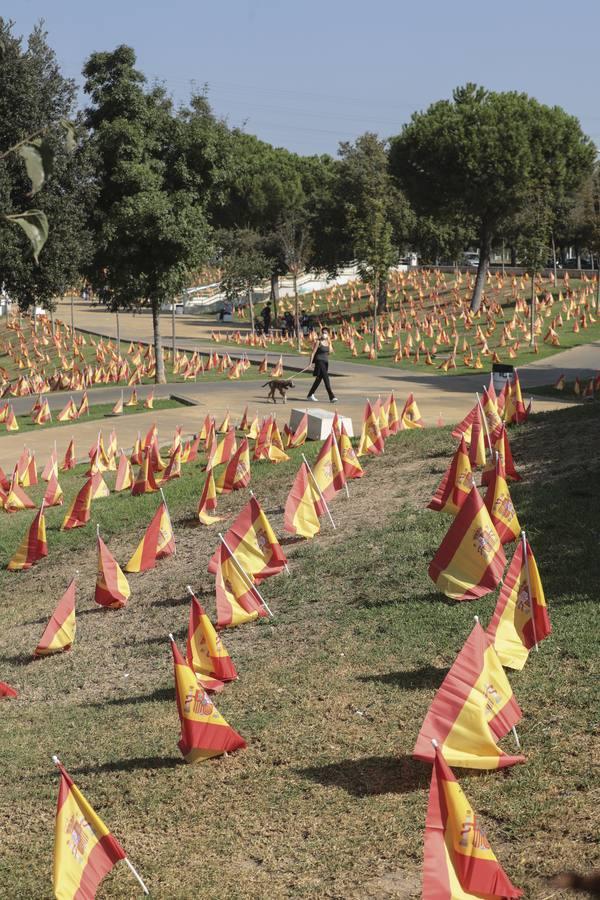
{"x":322,"y":347}
{"x":289,"y":323}
{"x":266,"y":317}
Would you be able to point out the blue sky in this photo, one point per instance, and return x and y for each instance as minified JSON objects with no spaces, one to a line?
{"x":308,"y":74}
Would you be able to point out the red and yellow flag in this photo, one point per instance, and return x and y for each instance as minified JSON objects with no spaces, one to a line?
{"x":84,"y":849}
{"x":225,"y":424}
{"x":222,"y":451}
{"x":69,"y":460}
{"x":254,"y":543}
{"x":301,"y":506}
{"x":54,"y":493}
{"x":157,"y":543}
{"x":68,"y":412}
{"x":477,"y":442}
{"x":500,"y":506}
{"x":60,"y":630}
{"x":99,"y":486}
{"x":411,"y":417}
{"x":11,"y":420}
{"x":206,"y":653}
{"x":298,"y":437}
{"x":27,"y":469}
{"x":78,"y":513}
{"x":456,"y":485}
{"x":145,"y":483}
{"x":459,"y":863}
{"x":7,"y":691}
{"x":237,"y":600}
{"x":124,"y":479}
{"x":112,"y":588}
{"x":492,"y":416}
{"x":84,"y":406}
{"x":470,"y":560}
{"x":33,"y":547}
{"x":371,"y":440}
{"x":392,"y":414}
{"x":208,"y":501}
{"x":473,"y":708}
{"x":236,"y":474}
{"x":515,"y":626}
{"x":51,"y":467}
{"x":204,"y":731}
{"x":16,"y":498}
{"x":328,"y":470}
{"x":350,"y":461}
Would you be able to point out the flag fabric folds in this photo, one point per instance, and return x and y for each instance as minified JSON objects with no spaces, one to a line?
{"x":7,"y":691}
{"x":300,"y":516}
{"x":458,"y":860}
{"x":78,"y":513}
{"x":499,"y":504}
{"x":515,"y":626}
{"x":157,"y":543}
{"x":254,"y":543}
{"x":33,"y":547}
{"x":208,"y":501}
{"x":371,"y":440}
{"x":60,"y":630}
{"x":473,"y":708}
{"x":204,"y":731}
{"x":112,"y":588}
{"x":84,"y":849}
{"x":328,"y":470}
{"x":411,"y":417}
{"x":456,"y":485}
{"x":470,"y":560}
{"x":236,"y":599}
{"x":236,"y":474}
{"x":206,"y":653}
{"x":54,"y":493}
{"x":350,"y":461}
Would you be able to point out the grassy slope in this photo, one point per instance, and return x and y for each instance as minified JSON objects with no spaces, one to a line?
{"x":326,"y":801}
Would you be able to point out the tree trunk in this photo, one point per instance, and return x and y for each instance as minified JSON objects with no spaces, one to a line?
{"x":160,"y":377}
{"x":513,"y":256}
{"x":554,"y":260}
{"x":251,"y":305}
{"x":482,"y":270}
{"x":118,"y":334}
{"x":382,"y":295}
{"x":173,"y":331}
{"x":274,"y":298}
{"x":297,"y":312}
{"x":533,"y":311}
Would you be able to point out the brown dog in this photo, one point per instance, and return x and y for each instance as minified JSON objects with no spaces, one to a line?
{"x":282,"y":385}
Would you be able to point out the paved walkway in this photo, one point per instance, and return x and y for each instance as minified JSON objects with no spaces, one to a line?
{"x":445,"y":397}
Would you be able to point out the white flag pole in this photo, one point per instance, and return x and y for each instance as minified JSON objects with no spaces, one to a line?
{"x":516,"y":737}
{"x":170,"y":522}
{"x":524,"y":542}
{"x":57,"y":762}
{"x":323,"y":501}
{"x":487,"y":434}
{"x":244,"y":575}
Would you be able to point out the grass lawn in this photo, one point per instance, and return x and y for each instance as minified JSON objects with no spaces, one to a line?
{"x":327,"y":800}
{"x":568,"y":392}
{"x":97,"y":411}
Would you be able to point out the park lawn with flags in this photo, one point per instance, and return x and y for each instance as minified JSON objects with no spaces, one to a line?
{"x":568,"y":391}
{"x":98,"y":411}
{"x":327,"y":799}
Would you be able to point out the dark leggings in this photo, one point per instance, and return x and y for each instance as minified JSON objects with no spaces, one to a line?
{"x":321,"y":373}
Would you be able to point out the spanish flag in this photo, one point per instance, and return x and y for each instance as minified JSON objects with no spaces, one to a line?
{"x":84,"y":406}
{"x":112,"y":589}
{"x":157,"y":543}
{"x":473,"y":708}
{"x":60,"y":630}
{"x":382,"y":415}
{"x":237,"y":600}
{"x":392,"y":414}
{"x":411,"y":417}
{"x":78,"y":513}
{"x":298,"y":437}
{"x":225,"y":424}
{"x":456,"y":485}
{"x":84,"y":849}
{"x":470,"y":560}
{"x":7,"y":691}
{"x":54,"y":493}
{"x":208,"y":501}
{"x":520,"y":619}
{"x":371,"y":440}
{"x":500,"y":506}
{"x":124,"y":479}
{"x":173,"y":469}
{"x":328,"y":470}
{"x":301,"y":506}
{"x":51,"y":467}
{"x":254,"y":543}
{"x":27,"y":469}
{"x":477,"y":442}
{"x":133,"y":398}
{"x":502,"y":449}
{"x":68,"y":412}
{"x":463,"y":429}
{"x":69,"y":460}
{"x":204,"y":731}
{"x":263,"y":440}
{"x":222,"y":451}
{"x":145,"y":483}
{"x":149,"y":401}
{"x":236,"y":474}
{"x":11,"y":420}
{"x":350,"y":461}
{"x":458,"y":861}
{"x":206,"y":653}
{"x":33,"y":547}
{"x":253,"y":430}
{"x":117,"y":409}
{"x":16,"y":498}
{"x":99,"y":487}
{"x":492,"y":417}
{"x":244,"y":426}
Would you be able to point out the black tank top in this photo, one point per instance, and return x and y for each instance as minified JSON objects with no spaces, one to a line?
{"x":322,"y":352}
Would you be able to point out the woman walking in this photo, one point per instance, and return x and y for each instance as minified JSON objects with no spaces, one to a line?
{"x":322,"y":347}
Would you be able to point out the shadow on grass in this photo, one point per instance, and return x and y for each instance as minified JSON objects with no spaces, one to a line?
{"x":427,"y":676}
{"x":19,"y":659}
{"x":430,"y":597}
{"x":175,"y":601}
{"x":129,"y":765}
{"x":373,"y":775}
{"x":179,"y":635}
{"x":290,"y":541}
{"x":155,"y":696}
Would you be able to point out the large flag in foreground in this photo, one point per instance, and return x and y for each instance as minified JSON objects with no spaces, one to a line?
{"x":515,"y":627}
{"x":473,"y":708}
{"x":254,"y":543}
{"x":458,"y":860}
{"x":206,"y":653}
{"x":237,"y":600}
{"x":60,"y":630}
{"x":301,"y":506}
{"x":84,"y":849}
{"x":455,"y":486}
{"x":204,"y":731}
{"x":470,"y":560}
